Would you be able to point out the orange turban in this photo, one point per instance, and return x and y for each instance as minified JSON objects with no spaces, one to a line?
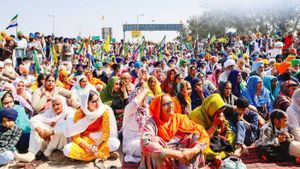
{"x":207,"y":56}
{"x":289,"y":58}
{"x":8,"y":38}
{"x":213,"y":59}
{"x":283,"y":67}
{"x":293,"y":51}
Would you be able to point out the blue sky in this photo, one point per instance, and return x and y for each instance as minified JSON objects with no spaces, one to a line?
{"x":74,"y":16}
{"x":85,"y":16}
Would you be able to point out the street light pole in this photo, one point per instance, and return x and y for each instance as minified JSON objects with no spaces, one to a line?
{"x":53,"y":16}
{"x":137,"y":21}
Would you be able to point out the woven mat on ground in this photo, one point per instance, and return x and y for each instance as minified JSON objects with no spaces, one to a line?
{"x":130,"y":165}
{"x":252,"y":161}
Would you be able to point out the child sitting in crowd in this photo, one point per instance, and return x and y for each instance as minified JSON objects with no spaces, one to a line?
{"x":9,"y":135}
{"x":275,"y":143}
{"x":245,"y":124}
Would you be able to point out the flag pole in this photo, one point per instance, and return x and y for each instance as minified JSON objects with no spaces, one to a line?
{"x":17,"y":26}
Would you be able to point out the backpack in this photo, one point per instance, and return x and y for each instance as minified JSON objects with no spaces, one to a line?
{"x":233,"y":163}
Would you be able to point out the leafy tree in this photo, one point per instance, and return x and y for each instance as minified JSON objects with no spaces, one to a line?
{"x":282,"y":18}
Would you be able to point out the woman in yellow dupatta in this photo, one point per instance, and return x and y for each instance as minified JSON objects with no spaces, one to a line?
{"x":210,"y":116}
{"x":154,"y":87}
{"x":39,"y":82}
{"x":91,"y":129}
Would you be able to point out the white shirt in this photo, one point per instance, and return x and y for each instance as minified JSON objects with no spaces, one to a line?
{"x":223,"y":77}
{"x":294,"y":121}
{"x":132,"y":131}
{"x":20,"y":49}
{"x":131,"y":127}
{"x":29,"y":79}
{"x":277,"y":50}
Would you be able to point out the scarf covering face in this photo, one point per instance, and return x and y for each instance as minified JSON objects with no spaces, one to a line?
{"x":107,"y":95}
{"x":204,"y":114}
{"x":80,"y":126}
{"x":177,"y":123}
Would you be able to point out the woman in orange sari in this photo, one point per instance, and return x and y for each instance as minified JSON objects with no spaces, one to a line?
{"x":171,"y":140}
{"x":63,"y":80}
{"x":97,"y":83}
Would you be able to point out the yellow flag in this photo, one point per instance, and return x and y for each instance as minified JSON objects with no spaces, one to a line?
{"x":54,"y":55}
{"x":212,"y":39}
{"x":222,"y":40}
{"x":106,"y":44}
{"x":190,"y":38}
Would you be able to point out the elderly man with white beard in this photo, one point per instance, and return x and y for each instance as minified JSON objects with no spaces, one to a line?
{"x":9,"y":70}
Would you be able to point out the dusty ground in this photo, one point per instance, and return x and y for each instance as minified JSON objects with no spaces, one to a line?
{"x":78,"y":165}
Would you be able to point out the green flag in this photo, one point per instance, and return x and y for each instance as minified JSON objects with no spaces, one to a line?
{"x":161,"y":48}
{"x":80,"y":48}
{"x":212,"y":40}
{"x":142,"y":47}
{"x":102,"y":53}
{"x":126,"y":49}
{"x":36,"y":62}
